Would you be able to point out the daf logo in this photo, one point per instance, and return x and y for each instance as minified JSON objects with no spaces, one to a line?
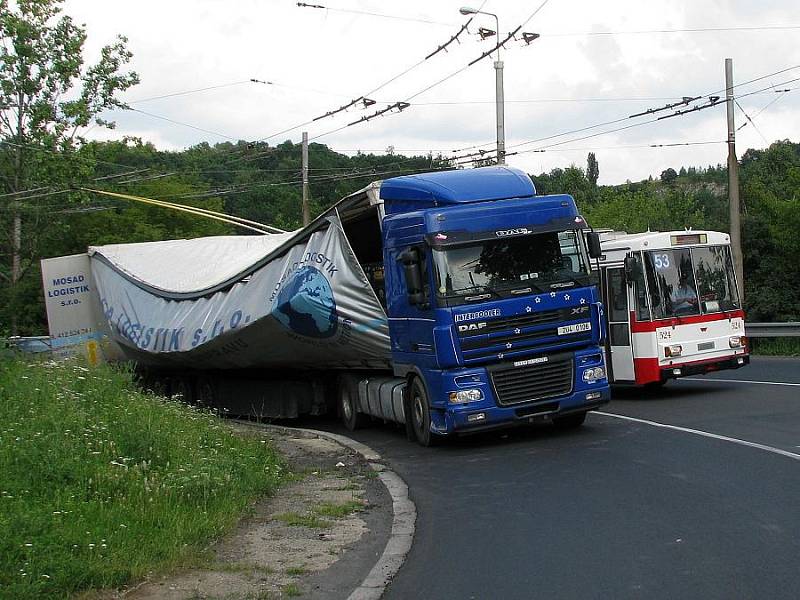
{"x":471,"y":327}
{"x":507,"y":232}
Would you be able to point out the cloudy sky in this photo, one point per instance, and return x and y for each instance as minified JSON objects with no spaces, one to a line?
{"x":595,"y":62}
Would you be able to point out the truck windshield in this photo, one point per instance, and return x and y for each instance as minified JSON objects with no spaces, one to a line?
{"x":691,"y":281}
{"x":515,"y":265}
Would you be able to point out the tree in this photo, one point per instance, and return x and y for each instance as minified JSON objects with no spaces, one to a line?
{"x":668,"y":176}
{"x":592,"y":168}
{"x":47,"y":96}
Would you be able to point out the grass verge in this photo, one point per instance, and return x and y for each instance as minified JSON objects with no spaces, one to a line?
{"x":781,"y":346}
{"x":101,"y":483}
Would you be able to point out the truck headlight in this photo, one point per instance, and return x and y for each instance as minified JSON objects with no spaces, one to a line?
{"x":736,"y":341}
{"x":674,"y":350}
{"x":464,"y":396}
{"x":594,"y":374}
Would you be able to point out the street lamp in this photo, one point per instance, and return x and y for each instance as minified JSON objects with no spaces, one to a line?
{"x":499,"y":100}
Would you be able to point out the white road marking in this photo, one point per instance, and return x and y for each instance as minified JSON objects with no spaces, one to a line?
{"x":715,"y":436}
{"x":743,"y":381}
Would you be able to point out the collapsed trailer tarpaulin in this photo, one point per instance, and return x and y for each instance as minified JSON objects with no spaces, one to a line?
{"x":309,"y":305}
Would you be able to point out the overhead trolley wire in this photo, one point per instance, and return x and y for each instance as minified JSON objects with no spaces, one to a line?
{"x":681,"y":30}
{"x":406,"y":102}
{"x":622,"y":119}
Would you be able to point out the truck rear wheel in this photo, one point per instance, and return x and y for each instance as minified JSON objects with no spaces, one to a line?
{"x":421,"y":413}
{"x":348,"y":403}
{"x":570,"y":421}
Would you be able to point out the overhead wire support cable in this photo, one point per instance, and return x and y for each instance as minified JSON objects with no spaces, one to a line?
{"x":497,"y":46}
{"x":738,"y":85}
{"x":684,"y":102}
{"x":685,"y":30}
{"x":365,"y":97}
{"x":444,"y":79}
{"x":749,"y":120}
{"x":712,"y":101}
{"x":454,"y":38}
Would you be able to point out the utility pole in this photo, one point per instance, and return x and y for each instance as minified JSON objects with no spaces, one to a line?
{"x":499,"y":96}
{"x":306,"y":212}
{"x":733,"y":182}
{"x":500,"y":101}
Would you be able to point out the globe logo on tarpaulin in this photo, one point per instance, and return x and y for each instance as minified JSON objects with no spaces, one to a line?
{"x":305,"y":304}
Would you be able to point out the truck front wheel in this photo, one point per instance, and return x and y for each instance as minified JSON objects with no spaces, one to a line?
{"x":421,"y":414}
{"x":348,"y":403}
{"x":570,"y":421}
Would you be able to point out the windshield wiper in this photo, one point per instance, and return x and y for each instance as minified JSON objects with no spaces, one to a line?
{"x":482,"y":291}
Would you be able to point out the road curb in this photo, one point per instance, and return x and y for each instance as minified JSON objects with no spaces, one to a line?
{"x":404,"y":514}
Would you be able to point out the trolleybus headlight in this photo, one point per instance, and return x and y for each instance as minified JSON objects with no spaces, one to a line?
{"x":674,"y":350}
{"x":464,"y":396}
{"x":594,"y":374}
{"x":736,"y":341}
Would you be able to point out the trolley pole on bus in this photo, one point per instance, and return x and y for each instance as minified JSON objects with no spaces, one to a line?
{"x":733,"y":182}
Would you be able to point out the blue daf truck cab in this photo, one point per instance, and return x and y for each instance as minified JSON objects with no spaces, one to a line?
{"x":494,"y":318}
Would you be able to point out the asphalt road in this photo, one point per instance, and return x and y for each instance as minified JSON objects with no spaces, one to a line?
{"x":619,"y":508}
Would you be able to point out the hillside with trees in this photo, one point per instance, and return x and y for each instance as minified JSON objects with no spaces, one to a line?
{"x":697,"y":197}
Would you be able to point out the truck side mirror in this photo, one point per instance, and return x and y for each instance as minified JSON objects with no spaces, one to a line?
{"x":593,"y":240}
{"x":410,"y":260}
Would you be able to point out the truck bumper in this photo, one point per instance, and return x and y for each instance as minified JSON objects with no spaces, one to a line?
{"x":465,"y":419}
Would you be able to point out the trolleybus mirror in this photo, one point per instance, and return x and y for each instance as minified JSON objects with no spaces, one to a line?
{"x":593,"y":240}
{"x":632,"y":269}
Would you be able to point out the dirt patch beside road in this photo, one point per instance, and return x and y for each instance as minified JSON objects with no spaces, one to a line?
{"x":317,"y":537}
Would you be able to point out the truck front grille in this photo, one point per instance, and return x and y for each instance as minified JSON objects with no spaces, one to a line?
{"x":514,"y":385}
{"x":519,"y":335}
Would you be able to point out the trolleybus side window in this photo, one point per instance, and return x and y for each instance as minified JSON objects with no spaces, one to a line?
{"x":712,"y":269}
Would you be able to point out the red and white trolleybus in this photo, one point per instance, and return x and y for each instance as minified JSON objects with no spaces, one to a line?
{"x":672,"y":305}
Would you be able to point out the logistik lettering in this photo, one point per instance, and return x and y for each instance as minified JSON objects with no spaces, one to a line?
{"x":75,"y":286}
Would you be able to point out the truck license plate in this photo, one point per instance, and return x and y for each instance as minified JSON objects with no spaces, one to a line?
{"x":578,"y":327}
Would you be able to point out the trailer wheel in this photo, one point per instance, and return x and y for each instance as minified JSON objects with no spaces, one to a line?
{"x":570,"y":421}
{"x":182,"y":389}
{"x":157,"y":384}
{"x":206,"y":392}
{"x":421,"y":414}
{"x":348,"y":403}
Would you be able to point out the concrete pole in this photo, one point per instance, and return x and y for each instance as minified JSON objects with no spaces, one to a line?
{"x":500,"y":100}
{"x":733,"y":182}
{"x":306,"y":211}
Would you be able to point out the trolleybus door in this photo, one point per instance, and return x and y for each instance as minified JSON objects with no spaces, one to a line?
{"x":619,"y":330}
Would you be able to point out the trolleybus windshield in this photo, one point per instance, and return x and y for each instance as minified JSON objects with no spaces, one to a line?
{"x":690,"y":281}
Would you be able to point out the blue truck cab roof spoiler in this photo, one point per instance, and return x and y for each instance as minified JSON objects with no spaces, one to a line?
{"x":445,"y":188}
